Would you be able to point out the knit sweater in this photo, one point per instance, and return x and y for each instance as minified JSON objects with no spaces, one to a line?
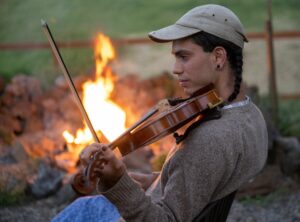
{"x":216,"y":158}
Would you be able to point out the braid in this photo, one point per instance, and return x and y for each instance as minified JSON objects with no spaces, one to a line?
{"x":237,"y":67}
{"x":235,"y":56}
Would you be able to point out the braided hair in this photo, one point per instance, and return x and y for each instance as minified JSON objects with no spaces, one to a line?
{"x":235,"y":56}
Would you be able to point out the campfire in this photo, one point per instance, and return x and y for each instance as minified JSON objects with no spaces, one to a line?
{"x":42,"y":132}
{"x":107,"y":117}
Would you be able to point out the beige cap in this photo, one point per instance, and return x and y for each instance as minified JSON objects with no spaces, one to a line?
{"x":214,"y":19}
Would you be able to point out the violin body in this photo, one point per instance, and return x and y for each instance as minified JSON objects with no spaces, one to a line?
{"x":166,"y":122}
{"x":151,"y":130}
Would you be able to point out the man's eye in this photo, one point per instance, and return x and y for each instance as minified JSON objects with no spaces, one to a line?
{"x":183,"y":57}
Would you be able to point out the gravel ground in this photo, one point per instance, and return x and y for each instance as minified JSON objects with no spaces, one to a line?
{"x":282,"y":209}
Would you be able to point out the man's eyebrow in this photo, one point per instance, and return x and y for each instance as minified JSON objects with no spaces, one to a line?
{"x":180,"y":51}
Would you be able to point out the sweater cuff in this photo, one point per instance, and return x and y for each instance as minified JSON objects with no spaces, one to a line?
{"x":124,"y":191}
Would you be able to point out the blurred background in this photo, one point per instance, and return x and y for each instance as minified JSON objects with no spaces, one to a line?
{"x":75,"y":25}
{"x":21,"y":37}
{"x":72,"y":21}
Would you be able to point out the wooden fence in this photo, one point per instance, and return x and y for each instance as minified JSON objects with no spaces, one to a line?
{"x":129,"y":41}
{"x":30,"y":46}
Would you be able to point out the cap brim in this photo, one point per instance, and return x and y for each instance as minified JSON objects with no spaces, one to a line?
{"x":172,"y":32}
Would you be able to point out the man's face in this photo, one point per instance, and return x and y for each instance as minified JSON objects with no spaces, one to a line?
{"x":193,"y":67}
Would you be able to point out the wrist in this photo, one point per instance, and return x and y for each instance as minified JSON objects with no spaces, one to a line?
{"x":106,"y":183}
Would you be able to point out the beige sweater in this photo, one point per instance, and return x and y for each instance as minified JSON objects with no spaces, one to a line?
{"x":215,"y":159}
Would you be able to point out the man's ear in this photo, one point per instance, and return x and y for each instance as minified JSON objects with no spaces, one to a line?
{"x":219,"y":57}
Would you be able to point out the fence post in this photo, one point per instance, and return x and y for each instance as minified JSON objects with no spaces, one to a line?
{"x":271,"y":65}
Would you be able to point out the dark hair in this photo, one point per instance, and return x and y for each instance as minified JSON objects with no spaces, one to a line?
{"x":235,"y":56}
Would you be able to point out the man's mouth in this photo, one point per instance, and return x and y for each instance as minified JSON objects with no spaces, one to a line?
{"x":183,"y":82}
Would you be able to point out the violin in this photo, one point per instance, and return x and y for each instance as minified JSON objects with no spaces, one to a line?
{"x":152,"y":127}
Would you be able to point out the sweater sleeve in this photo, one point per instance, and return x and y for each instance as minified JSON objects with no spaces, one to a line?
{"x":188,"y":186}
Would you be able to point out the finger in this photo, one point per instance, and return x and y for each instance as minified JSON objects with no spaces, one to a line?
{"x":89,"y":151}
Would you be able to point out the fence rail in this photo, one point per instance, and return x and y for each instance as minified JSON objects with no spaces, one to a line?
{"x":29,"y":46}
{"x":126,"y":41}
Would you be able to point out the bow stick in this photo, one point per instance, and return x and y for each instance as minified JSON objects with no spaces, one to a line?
{"x":75,"y":93}
{"x":69,"y":79}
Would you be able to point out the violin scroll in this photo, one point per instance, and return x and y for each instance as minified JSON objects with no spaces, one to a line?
{"x":82,"y":185}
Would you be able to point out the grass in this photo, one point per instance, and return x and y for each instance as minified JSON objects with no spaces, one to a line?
{"x":82,"y":20}
{"x":265,"y":200}
{"x":288,"y":115}
{"x":7,"y":199}
{"x":289,"y":118}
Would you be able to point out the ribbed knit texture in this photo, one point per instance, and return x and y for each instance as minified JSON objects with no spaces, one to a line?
{"x":215,"y":159}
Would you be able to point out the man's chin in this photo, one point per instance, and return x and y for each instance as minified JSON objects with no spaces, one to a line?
{"x":187,"y":92}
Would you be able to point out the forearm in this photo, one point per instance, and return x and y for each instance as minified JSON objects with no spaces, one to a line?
{"x":144,"y":180}
{"x":133,"y":204}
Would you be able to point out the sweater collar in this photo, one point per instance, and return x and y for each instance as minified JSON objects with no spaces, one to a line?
{"x":237,"y":104}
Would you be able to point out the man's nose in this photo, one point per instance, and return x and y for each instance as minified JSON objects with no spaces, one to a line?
{"x":177,"y":68}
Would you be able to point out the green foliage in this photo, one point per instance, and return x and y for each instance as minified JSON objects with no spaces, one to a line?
{"x":82,"y":20}
{"x":288,"y":115}
{"x":264,"y":200}
{"x":14,"y":198}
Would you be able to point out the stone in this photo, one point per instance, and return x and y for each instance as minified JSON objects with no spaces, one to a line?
{"x":46,"y":182}
{"x":19,"y":153}
{"x":13,"y":177}
{"x":23,"y":86}
{"x":289,"y":155}
{"x":42,"y":144}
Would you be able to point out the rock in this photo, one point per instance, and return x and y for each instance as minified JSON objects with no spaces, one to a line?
{"x":6,"y":134}
{"x":24,"y":87}
{"x":13,"y":177}
{"x":18,"y":152}
{"x":266,"y":182}
{"x":20,"y":110}
{"x":42,"y":144}
{"x":14,"y":154}
{"x":47,"y":181}
{"x":66,"y":194}
{"x":289,"y":155}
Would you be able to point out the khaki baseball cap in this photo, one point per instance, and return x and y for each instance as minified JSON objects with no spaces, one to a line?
{"x":213,"y":19}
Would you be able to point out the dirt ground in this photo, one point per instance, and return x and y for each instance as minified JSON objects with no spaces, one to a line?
{"x":269,"y":180}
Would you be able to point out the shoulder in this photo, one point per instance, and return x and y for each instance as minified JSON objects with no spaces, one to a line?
{"x":233,"y":122}
{"x":228,"y":134}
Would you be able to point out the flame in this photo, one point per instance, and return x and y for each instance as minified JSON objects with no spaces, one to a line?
{"x":105,"y":115}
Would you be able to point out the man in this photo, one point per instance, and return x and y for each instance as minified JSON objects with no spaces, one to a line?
{"x":217,"y":156}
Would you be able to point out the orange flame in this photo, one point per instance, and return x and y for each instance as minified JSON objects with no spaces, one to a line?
{"x":105,"y":115}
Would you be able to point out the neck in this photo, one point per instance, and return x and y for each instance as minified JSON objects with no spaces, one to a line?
{"x":225,"y":92}
{"x":225,"y":87}
{"x":242,"y":94}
